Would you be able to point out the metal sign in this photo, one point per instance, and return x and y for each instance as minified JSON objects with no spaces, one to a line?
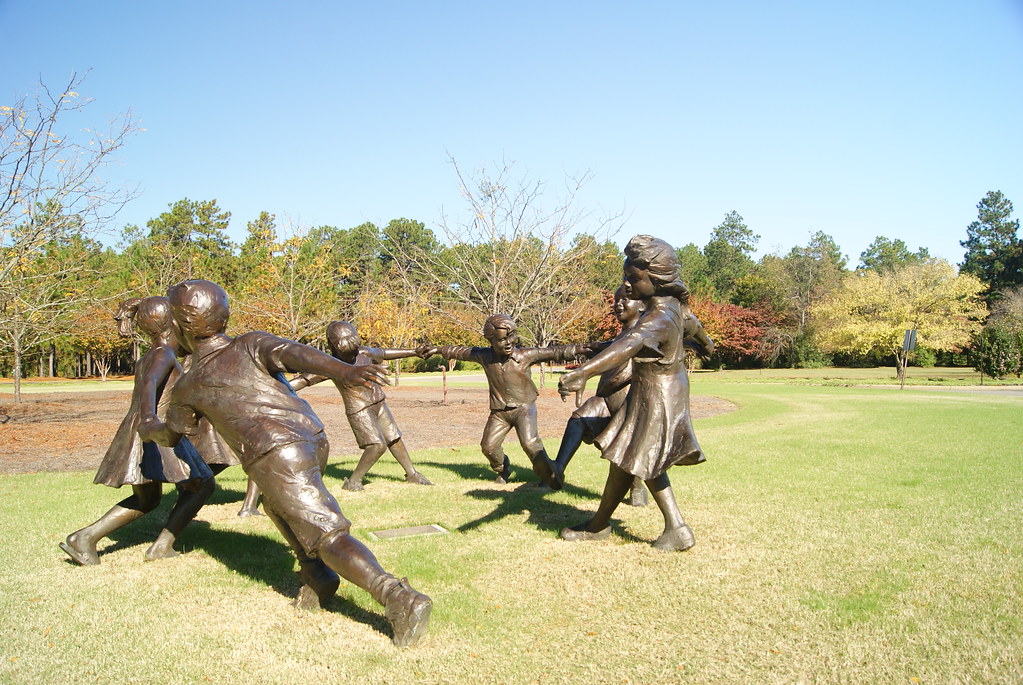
{"x":909,"y":342}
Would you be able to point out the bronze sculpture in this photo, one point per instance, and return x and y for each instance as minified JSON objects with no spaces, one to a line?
{"x":145,"y":465}
{"x":512,"y":391}
{"x":653,"y":430}
{"x":366,"y":406}
{"x":238,"y":385}
{"x":593,"y":415}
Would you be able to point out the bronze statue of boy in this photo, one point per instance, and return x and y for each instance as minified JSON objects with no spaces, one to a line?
{"x":365,"y":405}
{"x":238,"y":385}
{"x":512,"y":391}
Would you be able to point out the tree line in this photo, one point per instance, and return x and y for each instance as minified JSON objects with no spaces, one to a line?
{"x":516,"y":248}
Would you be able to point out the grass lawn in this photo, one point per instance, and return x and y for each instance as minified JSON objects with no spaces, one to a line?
{"x":853,"y":534}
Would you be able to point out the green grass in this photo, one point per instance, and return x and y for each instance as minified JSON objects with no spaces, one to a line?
{"x":849,"y":534}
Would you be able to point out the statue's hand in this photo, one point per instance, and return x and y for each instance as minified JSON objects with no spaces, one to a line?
{"x":425,"y":350}
{"x":571,"y":382}
{"x":150,"y":428}
{"x":366,"y":374}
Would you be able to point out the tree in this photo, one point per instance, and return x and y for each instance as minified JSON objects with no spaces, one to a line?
{"x":739,"y":333}
{"x":998,"y":351}
{"x":694,"y":268}
{"x":871,"y":310}
{"x":888,"y":255}
{"x":293,"y":291}
{"x":187,"y":241}
{"x":729,"y":253}
{"x":509,"y":254}
{"x":52,"y":199}
{"x":994,"y":251}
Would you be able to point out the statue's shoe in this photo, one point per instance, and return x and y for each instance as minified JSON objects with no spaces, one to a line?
{"x":79,"y":556}
{"x":579,"y":533}
{"x":408,"y":612}
{"x":676,"y":540}
{"x":418,"y":479}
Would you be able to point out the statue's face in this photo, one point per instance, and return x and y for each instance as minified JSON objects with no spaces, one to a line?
{"x":636,"y":283}
{"x":504,"y":341}
{"x":627,"y":310}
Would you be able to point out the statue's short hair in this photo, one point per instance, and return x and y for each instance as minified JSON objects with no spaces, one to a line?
{"x":199,"y":306}
{"x":153,"y":314}
{"x":340,"y":331}
{"x":498,"y":322}
{"x":150,"y":314}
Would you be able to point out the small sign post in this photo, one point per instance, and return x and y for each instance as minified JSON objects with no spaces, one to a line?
{"x":908,"y":345}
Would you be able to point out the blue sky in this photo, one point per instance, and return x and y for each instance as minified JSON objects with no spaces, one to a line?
{"x":856,"y":119}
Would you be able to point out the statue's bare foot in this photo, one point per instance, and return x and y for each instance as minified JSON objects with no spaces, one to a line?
{"x":160,"y":551}
{"x":408,"y":612}
{"x":352,"y":485}
{"x":81,"y":551}
{"x":580,"y":533}
{"x":676,"y":539}
{"x":245,"y":513}
{"x":418,"y":479}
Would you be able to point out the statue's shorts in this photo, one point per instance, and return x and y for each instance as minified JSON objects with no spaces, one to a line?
{"x":291,"y":478}
{"x":374,"y":425}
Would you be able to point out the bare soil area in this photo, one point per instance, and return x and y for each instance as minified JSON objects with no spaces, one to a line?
{"x":71,"y":431}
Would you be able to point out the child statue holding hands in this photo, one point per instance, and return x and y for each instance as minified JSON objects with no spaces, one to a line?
{"x":365,"y":406}
{"x":653,"y":431}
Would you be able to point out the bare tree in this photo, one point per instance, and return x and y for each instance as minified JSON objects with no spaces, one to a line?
{"x":52,"y":197}
{"x":510,"y":253}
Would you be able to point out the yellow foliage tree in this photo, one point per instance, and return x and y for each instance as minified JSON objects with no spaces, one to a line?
{"x":871,"y":311}
{"x":292,"y":292}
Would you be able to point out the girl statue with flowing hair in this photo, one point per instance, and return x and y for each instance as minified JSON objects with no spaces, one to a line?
{"x":653,"y":430}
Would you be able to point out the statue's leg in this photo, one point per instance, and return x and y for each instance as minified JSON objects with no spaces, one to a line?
{"x":319,"y":582}
{"x":491,"y":444}
{"x":599,"y":527}
{"x":677,"y":536}
{"x":570,"y":443}
{"x":370,"y":455}
{"x":250,"y":505}
{"x":188,"y":505}
{"x":532,"y":445}
{"x":407,"y":610}
{"x":637,"y":497}
{"x":81,"y":545}
{"x":412,"y":475}
{"x":581,"y":427}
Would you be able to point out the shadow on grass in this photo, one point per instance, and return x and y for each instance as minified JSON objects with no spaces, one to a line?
{"x":271,"y":563}
{"x":267,"y":561}
{"x":544,"y":513}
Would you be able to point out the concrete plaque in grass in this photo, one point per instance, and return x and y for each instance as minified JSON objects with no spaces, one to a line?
{"x":432,"y":529}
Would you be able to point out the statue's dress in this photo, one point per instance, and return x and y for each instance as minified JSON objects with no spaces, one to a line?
{"x":654,"y":430}
{"x":123,"y":462}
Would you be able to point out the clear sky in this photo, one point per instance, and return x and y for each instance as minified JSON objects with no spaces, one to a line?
{"x":854,"y":118}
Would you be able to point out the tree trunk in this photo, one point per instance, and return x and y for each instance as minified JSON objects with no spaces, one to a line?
{"x":397,"y":372}
{"x":51,"y":360}
{"x":16,"y":371}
